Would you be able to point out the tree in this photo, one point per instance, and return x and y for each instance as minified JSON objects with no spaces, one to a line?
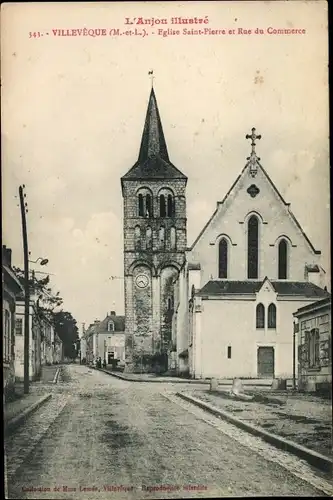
{"x":47,"y":300}
{"x":67,"y":330}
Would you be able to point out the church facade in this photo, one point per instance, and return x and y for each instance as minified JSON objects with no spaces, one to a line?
{"x":224,"y":306}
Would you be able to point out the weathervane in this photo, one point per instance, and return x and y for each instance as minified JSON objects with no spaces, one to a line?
{"x":253,"y":158}
{"x":151,"y":74}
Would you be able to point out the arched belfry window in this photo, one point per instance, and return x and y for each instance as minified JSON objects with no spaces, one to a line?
{"x":260,"y":316}
{"x":145,"y":203}
{"x":170,"y":206}
{"x":172,"y":238}
{"x":283,"y":260}
{"x":166,"y":203}
{"x":223,"y":258}
{"x":253,"y":247}
{"x":162,"y":206}
{"x":141,"y":205}
{"x":272,"y":316}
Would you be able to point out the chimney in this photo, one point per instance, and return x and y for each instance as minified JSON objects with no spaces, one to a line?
{"x":112,"y":313}
{"x":7,"y":256}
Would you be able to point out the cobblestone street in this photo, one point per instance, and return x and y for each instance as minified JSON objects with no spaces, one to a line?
{"x":101,"y":437}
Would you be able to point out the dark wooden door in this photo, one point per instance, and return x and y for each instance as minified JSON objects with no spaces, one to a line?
{"x":266,"y":362}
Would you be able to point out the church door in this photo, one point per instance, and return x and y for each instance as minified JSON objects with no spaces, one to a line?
{"x":266,"y":362}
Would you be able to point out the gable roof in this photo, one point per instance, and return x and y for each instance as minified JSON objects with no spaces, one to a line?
{"x":279,"y":195}
{"x":248,"y":287}
{"x":153,"y":161}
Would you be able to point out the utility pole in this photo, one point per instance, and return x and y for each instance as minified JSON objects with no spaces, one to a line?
{"x":26,"y":288}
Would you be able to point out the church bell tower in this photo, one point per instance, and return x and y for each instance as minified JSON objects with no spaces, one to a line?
{"x":154,"y":247}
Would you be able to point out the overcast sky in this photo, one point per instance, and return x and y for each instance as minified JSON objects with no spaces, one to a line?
{"x":74,"y":108}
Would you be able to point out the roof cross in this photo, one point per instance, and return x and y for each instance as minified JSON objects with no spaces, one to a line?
{"x":253,"y":138}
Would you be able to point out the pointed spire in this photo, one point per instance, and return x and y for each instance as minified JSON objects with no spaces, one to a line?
{"x":153,"y":161}
{"x":153,"y":141}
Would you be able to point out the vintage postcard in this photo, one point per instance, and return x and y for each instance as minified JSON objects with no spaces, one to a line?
{"x":166,"y":250}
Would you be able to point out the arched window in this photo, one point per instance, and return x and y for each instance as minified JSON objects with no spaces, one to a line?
{"x":141,"y":207}
{"x":162,"y":236}
{"x":223,"y":258}
{"x":283,"y":260}
{"x":260,"y":316}
{"x":271,"y":316}
{"x":170,"y":206}
{"x":149,"y":208}
{"x":172,"y":238}
{"x":253,"y":247}
{"x":162,"y":206}
{"x":137,"y":238}
{"x":149,"y":239}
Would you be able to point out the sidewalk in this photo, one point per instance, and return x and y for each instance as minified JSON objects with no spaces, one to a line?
{"x":301,"y":418}
{"x":37,"y":389}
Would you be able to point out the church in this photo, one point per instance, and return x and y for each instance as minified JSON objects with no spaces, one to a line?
{"x":224,"y":306}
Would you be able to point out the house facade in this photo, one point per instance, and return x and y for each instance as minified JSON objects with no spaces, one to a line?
{"x":105,"y":339}
{"x":11,"y":289}
{"x":314,"y":339}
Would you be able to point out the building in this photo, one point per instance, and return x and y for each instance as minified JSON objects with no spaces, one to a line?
{"x":58,"y":350}
{"x":105,"y":339}
{"x":224,"y":306}
{"x":36,"y":338}
{"x":247,"y":271}
{"x":314,"y":340}
{"x":11,"y":288}
{"x":154,"y":247}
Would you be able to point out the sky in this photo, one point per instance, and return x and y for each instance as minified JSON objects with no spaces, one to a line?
{"x":73,"y":109}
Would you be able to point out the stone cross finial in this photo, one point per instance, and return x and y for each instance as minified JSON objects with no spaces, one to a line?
{"x":253,"y":138}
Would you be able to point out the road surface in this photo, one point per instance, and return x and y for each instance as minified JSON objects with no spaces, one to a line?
{"x":101,"y":437}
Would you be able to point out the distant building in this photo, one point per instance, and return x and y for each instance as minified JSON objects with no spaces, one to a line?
{"x":314,"y":338}
{"x":11,"y":288}
{"x":105,"y":339}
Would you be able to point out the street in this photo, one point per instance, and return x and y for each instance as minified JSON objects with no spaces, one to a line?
{"x":108,"y":438}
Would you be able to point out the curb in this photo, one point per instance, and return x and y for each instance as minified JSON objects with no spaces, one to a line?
{"x":185,"y":381}
{"x":312,"y":457}
{"x":17,"y":421}
{"x":56,"y":376}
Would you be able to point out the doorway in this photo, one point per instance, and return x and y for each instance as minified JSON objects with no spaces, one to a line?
{"x":266,"y":362}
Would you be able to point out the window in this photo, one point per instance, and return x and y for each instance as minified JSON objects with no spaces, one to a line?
{"x":283,"y":260}
{"x":272,"y":316}
{"x":229,"y":351}
{"x":260,"y":316}
{"x":162,"y":206}
{"x":149,"y":207}
{"x":162,"y":236}
{"x":172,"y":238}
{"x":223,"y":258}
{"x":253,"y":247}
{"x":18,"y":326}
{"x":170,"y":303}
{"x":6,"y":336}
{"x":110,"y":326}
{"x":137,"y":238}
{"x":149,"y":238}
{"x":141,"y":208}
{"x":313,"y":348}
{"x":170,"y":206}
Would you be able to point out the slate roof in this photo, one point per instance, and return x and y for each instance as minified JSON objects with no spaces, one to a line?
{"x":119,"y":323}
{"x":314,"y":306}
{"x":153,"y":161}
{"x":248,"y":287}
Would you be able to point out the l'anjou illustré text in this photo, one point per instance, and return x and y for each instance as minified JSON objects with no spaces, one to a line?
{"x":151,"y":21}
